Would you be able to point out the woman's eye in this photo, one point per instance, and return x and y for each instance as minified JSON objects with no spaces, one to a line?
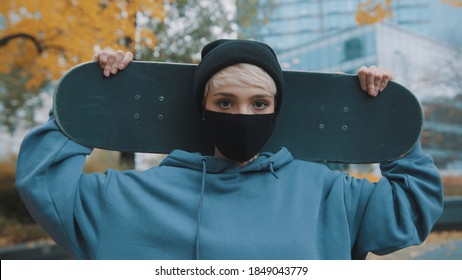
{"x":260,"y":105}
{"x":224,"y":103}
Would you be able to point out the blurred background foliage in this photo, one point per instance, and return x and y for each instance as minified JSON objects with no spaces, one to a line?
{"x":40,"y":40}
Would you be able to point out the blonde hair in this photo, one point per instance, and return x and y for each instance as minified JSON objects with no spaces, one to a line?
{"x":242,"y":75}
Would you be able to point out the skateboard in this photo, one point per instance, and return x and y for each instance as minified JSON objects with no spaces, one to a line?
{"x":150,"y":108}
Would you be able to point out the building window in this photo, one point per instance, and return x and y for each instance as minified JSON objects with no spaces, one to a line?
{"x":353,"y":49}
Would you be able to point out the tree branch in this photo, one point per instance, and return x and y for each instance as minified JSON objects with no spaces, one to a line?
{"x":54,"y":47}
{"x":5,"y":40}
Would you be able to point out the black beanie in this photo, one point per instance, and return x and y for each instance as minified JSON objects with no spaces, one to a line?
{"x":220,"y":54}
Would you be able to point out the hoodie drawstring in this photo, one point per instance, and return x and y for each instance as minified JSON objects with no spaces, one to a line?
{"x":271,"y":169}
{"x":199,"y":211}
{"x":201,"y":202}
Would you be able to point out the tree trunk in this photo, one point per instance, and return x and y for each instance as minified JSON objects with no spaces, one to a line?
{"x":127,"y":160}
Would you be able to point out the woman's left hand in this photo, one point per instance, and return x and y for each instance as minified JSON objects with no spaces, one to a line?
{"x":373,"y":79}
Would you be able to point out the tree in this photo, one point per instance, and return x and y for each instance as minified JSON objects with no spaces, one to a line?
{"x":442,"y":73}
{"x":187,"y":27}
{"x":372,"y":11}
{"x":190,"y":24}
{"x":14,"y":95}
{"x":455,"y":3}
{"x":252,"y":15}
{"x":40,"y":40}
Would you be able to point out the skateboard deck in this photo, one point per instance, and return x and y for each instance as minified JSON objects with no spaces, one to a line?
{"x":150,"y":107}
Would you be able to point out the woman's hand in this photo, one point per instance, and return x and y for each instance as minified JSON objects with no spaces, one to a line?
{"x":373,"y":79}
{"x":113,"y":61}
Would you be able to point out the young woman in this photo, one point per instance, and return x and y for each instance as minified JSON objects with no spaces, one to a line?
{"x":239,"y":204}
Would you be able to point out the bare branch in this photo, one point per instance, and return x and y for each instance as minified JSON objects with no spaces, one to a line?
{"x":6,"y":39}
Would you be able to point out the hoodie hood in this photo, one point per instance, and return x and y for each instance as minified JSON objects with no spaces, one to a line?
{"x":265,"y":162}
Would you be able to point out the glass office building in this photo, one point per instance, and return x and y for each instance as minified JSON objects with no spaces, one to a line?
{"x":338,"y":52}
{"x":323,"y":35}
{"x":421,"y":43}
{"x":429,"y":68}
{"x":291,"y":23}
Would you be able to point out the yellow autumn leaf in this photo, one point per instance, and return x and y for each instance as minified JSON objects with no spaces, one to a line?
{"x":455,"y":3}
{"x":373,"y":11}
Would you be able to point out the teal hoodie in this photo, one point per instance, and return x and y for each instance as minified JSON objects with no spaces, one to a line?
{"x":194,"y":206}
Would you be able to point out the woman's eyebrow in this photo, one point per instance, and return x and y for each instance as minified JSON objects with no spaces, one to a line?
{"x":225,"y":94}
{"x":257,"y":96}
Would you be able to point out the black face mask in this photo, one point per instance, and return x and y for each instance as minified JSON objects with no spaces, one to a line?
{"x":239,"y":137}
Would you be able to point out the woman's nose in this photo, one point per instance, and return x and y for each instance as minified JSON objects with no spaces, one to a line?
{"x":243,"y":110}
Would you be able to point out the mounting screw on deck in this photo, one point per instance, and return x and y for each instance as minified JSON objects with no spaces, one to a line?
{"x":137,"y":97}
{"x":161,"y":98}
{"x":136,"y":115}
{"x":345,"y":127}
{"x":345,"y":109}
{"x":160,"y":116}
{"x":321,"y":126}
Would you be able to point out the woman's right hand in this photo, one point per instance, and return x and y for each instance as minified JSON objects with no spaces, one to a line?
{"x":113,"y":61}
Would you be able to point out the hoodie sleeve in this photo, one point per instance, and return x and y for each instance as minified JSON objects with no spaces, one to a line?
{"x":66,"y":202}
{"x":398,"y":211}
